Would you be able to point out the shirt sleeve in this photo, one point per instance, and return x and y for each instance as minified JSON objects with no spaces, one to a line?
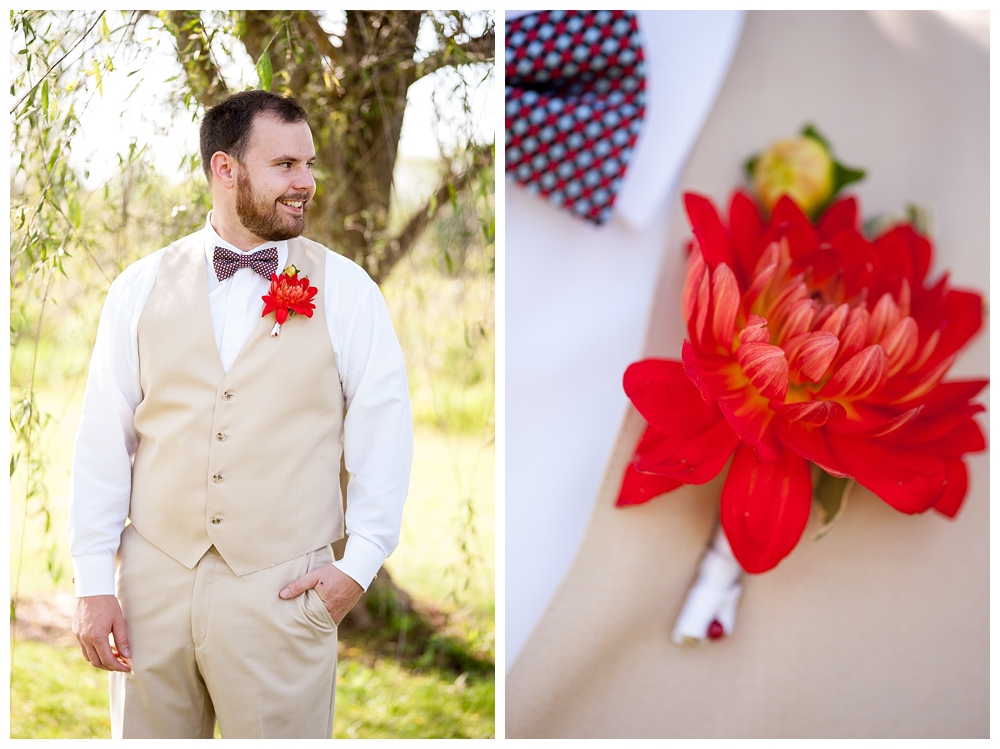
{"x":378,"y":427}
{"x":101,"y":482}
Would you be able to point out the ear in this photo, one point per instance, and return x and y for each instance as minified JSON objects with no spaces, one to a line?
{"x":224,"y":169}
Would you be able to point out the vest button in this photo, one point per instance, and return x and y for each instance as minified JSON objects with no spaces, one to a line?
{"x":227,"y":395}
{"x":216,"y":521}
{"x":221,"y":437}
{"x":217,"y":478}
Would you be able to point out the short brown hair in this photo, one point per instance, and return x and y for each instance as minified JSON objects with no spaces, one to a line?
{"x":226,"y":126}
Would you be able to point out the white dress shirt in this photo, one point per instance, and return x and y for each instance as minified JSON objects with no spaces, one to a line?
{"x":577,"y":306}
{"x":378,"y":432}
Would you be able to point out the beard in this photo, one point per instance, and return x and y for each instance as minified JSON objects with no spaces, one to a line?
{"x":265,"y":219}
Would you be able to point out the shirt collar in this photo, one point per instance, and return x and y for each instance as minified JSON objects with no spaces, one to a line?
{"x":213,"y":240}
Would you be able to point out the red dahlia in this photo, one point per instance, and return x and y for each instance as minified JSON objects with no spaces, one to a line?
{"x":289,"y":294}
{"x":807,"y":343}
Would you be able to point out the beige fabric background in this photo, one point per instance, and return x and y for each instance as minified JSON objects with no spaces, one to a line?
{"x":882,"y":627}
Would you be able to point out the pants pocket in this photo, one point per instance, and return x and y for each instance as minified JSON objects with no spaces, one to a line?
{"x":315,"y":609}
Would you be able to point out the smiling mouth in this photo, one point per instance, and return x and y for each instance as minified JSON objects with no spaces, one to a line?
{"x":296,"y":205}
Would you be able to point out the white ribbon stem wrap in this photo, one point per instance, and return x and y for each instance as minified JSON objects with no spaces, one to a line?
{"x":276,"y":329}
{"x":713,"y":596}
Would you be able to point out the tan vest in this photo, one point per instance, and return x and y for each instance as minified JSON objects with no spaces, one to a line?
{"x":882,"y":628}
{"x":247,"y":461}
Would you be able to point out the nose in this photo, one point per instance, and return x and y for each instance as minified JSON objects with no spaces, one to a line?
{"x":304,"y":180}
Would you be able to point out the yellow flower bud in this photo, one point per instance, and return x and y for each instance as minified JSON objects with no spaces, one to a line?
{"x":799,"y":167}
{"x":291,"y":271}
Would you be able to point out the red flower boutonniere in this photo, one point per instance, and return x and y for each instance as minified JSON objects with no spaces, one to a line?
{"x":815,"y":358}
{"x":289,"y":294}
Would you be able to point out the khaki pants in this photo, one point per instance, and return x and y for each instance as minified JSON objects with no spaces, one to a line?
{"x":209,"y":645}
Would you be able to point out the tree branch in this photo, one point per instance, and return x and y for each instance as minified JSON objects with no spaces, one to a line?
{"x":195,"y":56}
{"x":480,"y":49}
{"x":320,"y":37}
{"x":56,"y":63}
{"x":398,"y":248}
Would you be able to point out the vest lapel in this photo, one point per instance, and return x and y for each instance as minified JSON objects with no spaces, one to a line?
{"x":192,"y":306}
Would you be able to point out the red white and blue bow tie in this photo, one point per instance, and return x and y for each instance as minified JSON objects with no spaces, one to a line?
{"x":226,"y":262}
{"x":574,"y":94}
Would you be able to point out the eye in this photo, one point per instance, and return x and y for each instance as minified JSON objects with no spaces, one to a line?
{"x":310,"y":165}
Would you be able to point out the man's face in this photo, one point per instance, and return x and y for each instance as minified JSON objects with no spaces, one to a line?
{"x":274,"y":184}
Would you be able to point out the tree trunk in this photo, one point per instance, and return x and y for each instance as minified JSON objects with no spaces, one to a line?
{"x":355,"y":97}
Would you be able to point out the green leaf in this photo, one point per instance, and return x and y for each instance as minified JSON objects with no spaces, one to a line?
{"x":75,"y":214}
{"x":831,"y":494}
{"x":53,"y":157}
{"x":97,"y":77}
{"x":45,"y":97}
{"x":843,"y":176}
{"x":919,"y":218}
{"x":749,"y":164}
{"x":265,"y":73}
{"x":810,"y":131}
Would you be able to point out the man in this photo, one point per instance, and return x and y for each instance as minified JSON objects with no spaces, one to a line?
{"x":221,"y":444}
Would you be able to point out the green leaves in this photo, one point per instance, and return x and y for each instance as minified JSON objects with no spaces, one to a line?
{"x":810,"y":131}
{"x":831,"y":495}
{"x":265,"y":73}
{"x":919,"y":218}
{"x":842,"y":175}
{"x":60,"y":64}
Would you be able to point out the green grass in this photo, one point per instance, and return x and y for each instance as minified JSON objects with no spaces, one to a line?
{"x":54,"y":693}
{"x":393,"y":702}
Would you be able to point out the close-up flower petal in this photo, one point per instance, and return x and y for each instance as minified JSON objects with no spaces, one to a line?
{"x":765,"y":507}
{"x":638,"y":488}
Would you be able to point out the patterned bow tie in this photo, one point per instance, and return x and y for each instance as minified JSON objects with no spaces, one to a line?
{"x":574,"y":94}
{"x":226,"y":262}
